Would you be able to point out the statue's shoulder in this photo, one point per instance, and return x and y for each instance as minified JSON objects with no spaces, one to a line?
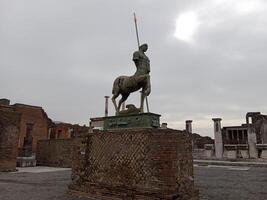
{"x":136,"y":55}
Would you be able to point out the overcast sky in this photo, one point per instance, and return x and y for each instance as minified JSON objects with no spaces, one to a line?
{"x":208,"y":57}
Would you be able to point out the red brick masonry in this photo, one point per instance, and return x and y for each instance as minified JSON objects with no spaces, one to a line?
{"x":56,"y":152}
{"x":134,"y":164}
{"x":9,"y":132}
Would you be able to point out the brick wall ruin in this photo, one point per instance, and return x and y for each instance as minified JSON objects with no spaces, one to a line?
{"x":34,"y":115}
{"x":56,"y":152}
{"x":134,"y":164}
{"x":9,"y":131}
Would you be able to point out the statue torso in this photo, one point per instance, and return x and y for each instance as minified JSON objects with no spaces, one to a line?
{"x":142,"y":63}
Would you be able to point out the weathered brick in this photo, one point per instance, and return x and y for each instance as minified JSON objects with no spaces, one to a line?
{"x":56,"y":152}
{"x":135,"y":164}
{"x":9,"y":131}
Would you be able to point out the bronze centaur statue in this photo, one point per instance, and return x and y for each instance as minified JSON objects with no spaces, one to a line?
{"x":125,"y":85}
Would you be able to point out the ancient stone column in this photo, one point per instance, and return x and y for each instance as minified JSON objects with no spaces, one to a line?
{"x":188,"y":126}
{"x":123,"y":106}
{"x":106,"y":105}
{"x":164,"y":126}
{"x":218,"y":138}
{"x":252,"y":141}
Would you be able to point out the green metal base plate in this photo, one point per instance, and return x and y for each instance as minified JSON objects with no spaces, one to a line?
{"x":142,"y":120}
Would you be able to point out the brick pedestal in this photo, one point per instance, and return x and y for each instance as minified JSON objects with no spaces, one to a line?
{"x":134,"y":164}
{"x":8,"y":140}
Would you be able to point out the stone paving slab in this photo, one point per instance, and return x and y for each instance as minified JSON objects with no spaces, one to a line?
{"x":39,"y":169}
{"x":238,"y":168}
{"x":230,"y":163}
{"x":36,"y":186}
{"x":214,"y":183}
{"x":222,"y":183}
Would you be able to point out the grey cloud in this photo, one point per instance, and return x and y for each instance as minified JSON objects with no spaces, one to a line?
{"x":64,"y":56}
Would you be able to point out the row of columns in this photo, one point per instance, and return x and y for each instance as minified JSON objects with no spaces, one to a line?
{"x":218,"y":141}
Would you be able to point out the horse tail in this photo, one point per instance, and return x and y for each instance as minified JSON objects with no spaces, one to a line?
{"x":116,"y":86}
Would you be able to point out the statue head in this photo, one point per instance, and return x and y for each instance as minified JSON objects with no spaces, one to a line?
{"x":143,"y":47}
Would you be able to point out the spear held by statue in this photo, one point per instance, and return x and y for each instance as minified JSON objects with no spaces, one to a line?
{"x":138,"y":43}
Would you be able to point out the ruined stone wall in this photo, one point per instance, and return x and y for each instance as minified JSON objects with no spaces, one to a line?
{"x":61,"y":131}
{"x":9,"y":131}
{"x":66,"y":130}
{"x":134,"y":164}
{"x":56,"y":152}
{"x":36,"y":116}
{"x":200,"y":141}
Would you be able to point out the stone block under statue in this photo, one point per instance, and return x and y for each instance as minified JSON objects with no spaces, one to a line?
{"x":137,"y":164}
{"x":141,"y":120}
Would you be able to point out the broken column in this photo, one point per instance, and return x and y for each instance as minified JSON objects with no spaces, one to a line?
{"x":164,"y":126}
{"x":123,"y":106}
{"x":252,"y":141}
{"x":188,"y":126}
{"x":106,"y":105}
{"x":218,"y":138}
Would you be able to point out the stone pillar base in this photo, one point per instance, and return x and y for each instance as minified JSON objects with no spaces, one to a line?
{"x":209,"y":150}
{"x":147,"y":164}
{"x":262,"y":149}
{"x":264,"y":154}
{"x":26,"y":161}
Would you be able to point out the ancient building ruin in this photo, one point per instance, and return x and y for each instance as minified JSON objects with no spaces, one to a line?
{"x":248,"y":140}
{"x":9,"y":132}
{"x":61,"y":130}
{"x":34,"y":123}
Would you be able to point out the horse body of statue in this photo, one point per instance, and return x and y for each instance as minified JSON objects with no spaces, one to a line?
{"x":125,"y":85}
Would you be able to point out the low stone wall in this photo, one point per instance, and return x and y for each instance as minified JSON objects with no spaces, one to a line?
{"x":134,"y":164}
{"x":56,"y":152}
{"x":9,"y":133}
{"x":262,"y":150}
{"x":199,"y":154}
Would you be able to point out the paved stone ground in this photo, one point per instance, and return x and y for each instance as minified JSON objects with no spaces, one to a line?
{"x":214,"y":182}
{"x":231,"y":183}
{"x":35,"y":186}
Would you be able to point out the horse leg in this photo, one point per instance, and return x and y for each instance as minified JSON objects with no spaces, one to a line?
{"x":142,"y":101}
{"x":147,"y":88}
{"x":114,"y":102}
{"x":123,"y":98}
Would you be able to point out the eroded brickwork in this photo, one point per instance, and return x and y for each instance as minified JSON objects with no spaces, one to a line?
{"x":57,"y":152}
{"x":134,"y":164}
{"x":66,"y":130}
{"x":9,"y":131}
{"x":34,"y":115}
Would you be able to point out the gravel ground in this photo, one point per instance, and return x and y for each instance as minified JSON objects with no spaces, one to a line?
{"x":214,"y":183}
